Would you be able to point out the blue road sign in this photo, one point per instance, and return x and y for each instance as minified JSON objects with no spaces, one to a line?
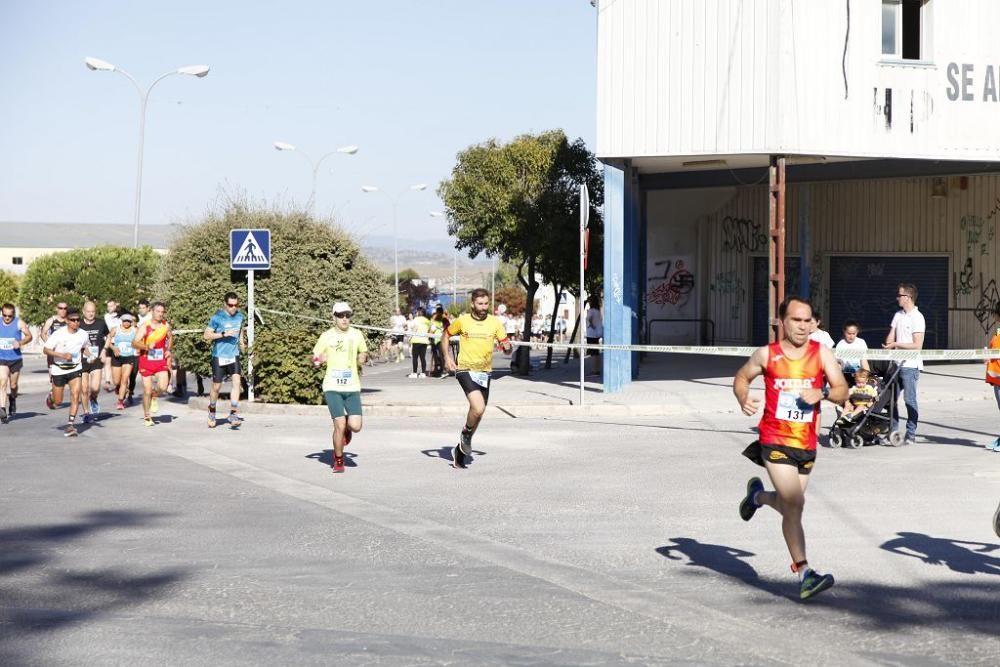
{"x":249,"y":249}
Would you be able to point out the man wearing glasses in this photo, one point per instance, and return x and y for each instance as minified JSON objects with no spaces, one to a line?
{"x":344,"y":349}
{"x":907,"y":333}
{"x":225,"y":332}
{"x":14,"y":334}
{"x":67,"y":348}
{"x":53,"y":324}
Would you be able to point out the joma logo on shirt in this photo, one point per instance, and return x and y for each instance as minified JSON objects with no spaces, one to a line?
{"x":792,"y":383}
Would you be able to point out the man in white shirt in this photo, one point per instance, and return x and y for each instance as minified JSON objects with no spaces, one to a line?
{"x":907,"y":333}
{"x":68,"y":347}
{"x":397,"y":324}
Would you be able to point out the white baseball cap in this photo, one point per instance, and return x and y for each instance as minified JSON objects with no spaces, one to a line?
{"x":341,"y":307}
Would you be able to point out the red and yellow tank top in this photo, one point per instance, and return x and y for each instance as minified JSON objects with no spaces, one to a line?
{"x":993,"y":365}
{"x":788,"y":421}
{"x":155,"y":336}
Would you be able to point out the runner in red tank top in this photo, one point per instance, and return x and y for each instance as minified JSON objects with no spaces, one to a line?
{"x":796,"y":371}
{"x":154,"y":341}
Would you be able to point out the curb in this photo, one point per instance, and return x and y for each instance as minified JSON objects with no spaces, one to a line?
{"x":460,"y":409}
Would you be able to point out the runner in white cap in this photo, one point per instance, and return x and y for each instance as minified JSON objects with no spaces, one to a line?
{"x":344,"y":349}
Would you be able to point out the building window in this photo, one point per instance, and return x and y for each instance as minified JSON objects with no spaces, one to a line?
{"x":17,"y":261}
{"x":906,"y":29}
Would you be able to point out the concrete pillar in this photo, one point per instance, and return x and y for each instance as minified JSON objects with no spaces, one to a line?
{"x":622,"y":283}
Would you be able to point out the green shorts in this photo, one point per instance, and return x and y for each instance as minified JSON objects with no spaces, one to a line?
{"x":343,"y":403}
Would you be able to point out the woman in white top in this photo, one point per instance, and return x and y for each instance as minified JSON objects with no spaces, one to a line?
{"x":851,"y":341}
{"x":595,"y":332}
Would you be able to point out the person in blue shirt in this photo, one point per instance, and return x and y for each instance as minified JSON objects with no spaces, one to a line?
{"x":14,"y":335}
{"x":225,"y":332}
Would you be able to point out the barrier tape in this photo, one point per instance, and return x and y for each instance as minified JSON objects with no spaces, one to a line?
{"x":722,"y":351}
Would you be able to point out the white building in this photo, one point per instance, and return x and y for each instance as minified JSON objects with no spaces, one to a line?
{"x":23,"y":242}
{"x":885,"y":113}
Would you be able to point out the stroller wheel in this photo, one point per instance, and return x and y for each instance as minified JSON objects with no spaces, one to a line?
{"x":895,"y":439}
{"x":836,"y":439}
{"x":856,"y":442}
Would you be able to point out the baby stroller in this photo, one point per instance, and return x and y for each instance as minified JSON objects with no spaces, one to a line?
{"x":873,"y":426}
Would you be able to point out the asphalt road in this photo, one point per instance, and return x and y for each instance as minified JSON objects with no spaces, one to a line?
{"x":566,"y":542}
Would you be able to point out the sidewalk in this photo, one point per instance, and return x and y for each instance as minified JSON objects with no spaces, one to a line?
{"x":668,"y":384}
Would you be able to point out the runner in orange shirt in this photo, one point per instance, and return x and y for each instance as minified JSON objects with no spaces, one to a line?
{"x":154,"y":342}
{"x":796,"y":371}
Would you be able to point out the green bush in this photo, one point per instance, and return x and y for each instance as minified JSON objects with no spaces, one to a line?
{"x":101,"y":273}
{"x":8,"y":287}
{"x":313,"y":265}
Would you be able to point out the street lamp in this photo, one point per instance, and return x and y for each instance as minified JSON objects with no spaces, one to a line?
{"x":454,"y":279}
{"x":285,"y":146}
{"x":395,"y":236}
{"x":98,"y":65}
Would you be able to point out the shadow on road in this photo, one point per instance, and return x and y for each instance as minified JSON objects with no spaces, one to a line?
{"x":945,"y":606}
{"x":326,"y":458}
{"x":52,"y":596}
{"x":950,"y":553}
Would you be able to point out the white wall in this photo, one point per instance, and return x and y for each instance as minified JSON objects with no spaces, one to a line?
{"x":732,"y":77}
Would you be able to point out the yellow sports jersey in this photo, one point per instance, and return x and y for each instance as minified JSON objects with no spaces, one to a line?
{"x":341,"y":349}
{"x":477,"y":337}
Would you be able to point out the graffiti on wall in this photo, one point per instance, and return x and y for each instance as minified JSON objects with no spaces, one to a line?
{"x":742,"y":235}
{"x":671,"y":282}
{"x":729,"y":284}
{"x":977,"y":234}
{"x":965,"y":281}
{"x":988,"y":300}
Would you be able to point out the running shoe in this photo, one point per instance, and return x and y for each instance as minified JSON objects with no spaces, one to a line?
{"x":3,"y":416}
{"x":338,"y":464}
{"x":211,"y":420}
{"x":12,"y":405}
{"x":347,"y":437}
{"x":86,"y":419}
{"x":458,"y":457}
{"x":422,"y":375}
{"x":465,"y":442}
{"x":154,"y":405}
{"x":130,"y":401}
{"x":412,"y":375}
{"x":747,"y":506}
{"x":70,"y":431}
{"x":235,"y":419}
{"x":49,"y":403}
{"x":994,"y":446}
{"x":95,"y":407}
{"x":813,"y":583}
{"x":120,"y":406}
{"x":148,"y":421}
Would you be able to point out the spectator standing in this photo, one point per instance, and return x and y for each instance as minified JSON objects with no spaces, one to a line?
{"x":993,"y":378}
{"x":419,"y":326}
{"x":595,"y":331}
{"x":907,"y":333}
{"x":819,"y":334}
{"x":397,"y":324}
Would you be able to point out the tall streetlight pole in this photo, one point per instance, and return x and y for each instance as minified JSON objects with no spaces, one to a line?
{"x":395,"y":236}
{"x":98,"y":65}
{"x":285,"y":146}
{"x":454,"y":256}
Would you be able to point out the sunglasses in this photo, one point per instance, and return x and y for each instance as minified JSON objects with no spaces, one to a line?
{"x":232,"y":305}
{"x":8,"y":317}
{"x":60,"y":307}
{"x":342,"y":315}
{"x":72,"y":319}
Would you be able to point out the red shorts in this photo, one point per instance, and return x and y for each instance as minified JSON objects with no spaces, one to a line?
{"x":149,"y":368}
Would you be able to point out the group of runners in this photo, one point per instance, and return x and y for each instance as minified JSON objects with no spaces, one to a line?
{"x":81,"y":350}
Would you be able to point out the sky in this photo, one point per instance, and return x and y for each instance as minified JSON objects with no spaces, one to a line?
{"x":410,"y":83}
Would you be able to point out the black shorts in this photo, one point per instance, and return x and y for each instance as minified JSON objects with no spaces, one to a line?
{"x":119,"y":361}
{"x":63,"y":380}
{"x":91,"y":366}
{"x":220,"y":373}
{"x":14,"y":365}
{"x":396,"y":339}
{"x":803,"y":459}
{"x":593,"y":341}
{"x":469,"y":385}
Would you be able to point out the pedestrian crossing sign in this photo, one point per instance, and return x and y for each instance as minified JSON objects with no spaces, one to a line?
{"x":249,"y":249}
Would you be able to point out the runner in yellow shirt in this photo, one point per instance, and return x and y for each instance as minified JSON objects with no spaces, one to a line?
{"x":344,"y":349}
{"x":477,"y":332}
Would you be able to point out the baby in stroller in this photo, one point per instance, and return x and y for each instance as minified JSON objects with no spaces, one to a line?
{"x":867,"y":415}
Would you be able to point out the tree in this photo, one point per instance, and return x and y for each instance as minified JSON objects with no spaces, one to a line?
{"x":506,"y":200}
{"x":9,"y":283}
{"x":515,"y":298}
{"x":313,"y":265}
{"x":99,"y":274}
